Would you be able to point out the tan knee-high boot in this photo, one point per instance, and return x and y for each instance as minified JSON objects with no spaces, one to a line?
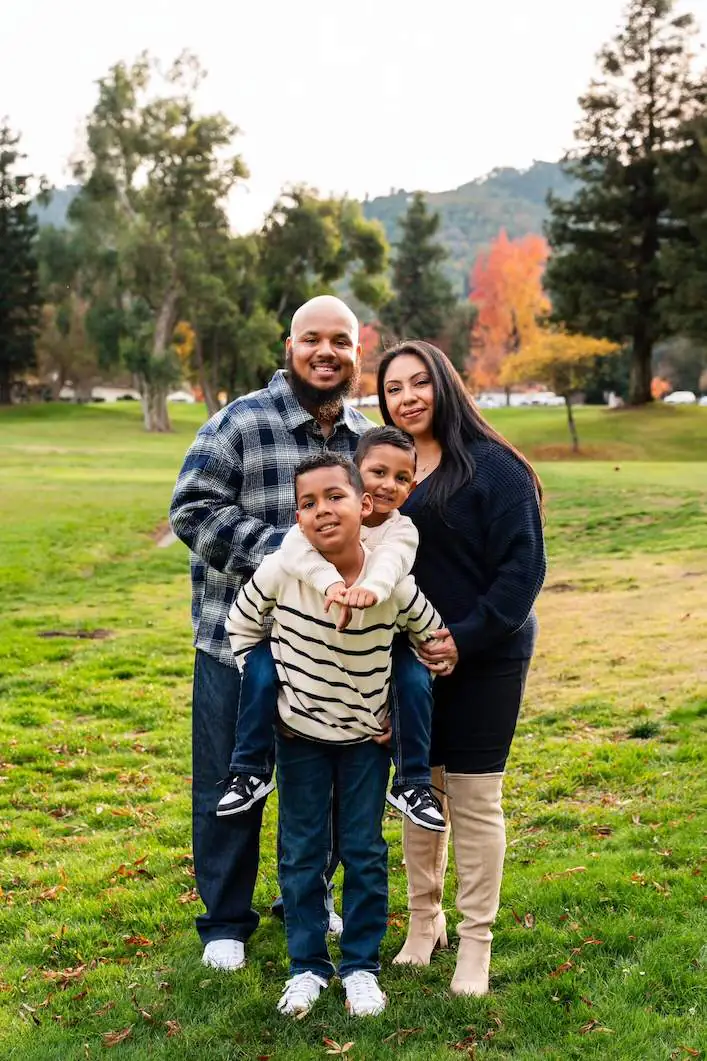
{"x":426,"y":862}
{"x":479,"y":836}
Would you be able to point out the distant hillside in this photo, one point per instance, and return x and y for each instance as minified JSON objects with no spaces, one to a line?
{"x":472,"y":214}
{"x":55,"y":211}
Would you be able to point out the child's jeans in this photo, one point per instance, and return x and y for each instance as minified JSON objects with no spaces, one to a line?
{"x":410,"y":715}
{"x":311,"y":776}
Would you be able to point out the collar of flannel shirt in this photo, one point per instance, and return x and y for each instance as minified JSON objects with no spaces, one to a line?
{"x":294,"y":415}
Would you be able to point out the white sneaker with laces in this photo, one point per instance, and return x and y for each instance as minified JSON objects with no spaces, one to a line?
{"x":300,"y":994}
{"x":224,"y":954}
{"x":364,"y":997}
{"x":336,"y":924}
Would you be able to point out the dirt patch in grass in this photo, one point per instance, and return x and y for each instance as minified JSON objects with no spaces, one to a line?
{"x":82,"y":635}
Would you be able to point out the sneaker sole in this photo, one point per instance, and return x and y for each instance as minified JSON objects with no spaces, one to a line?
{"x":227,"y":812}
{"x":399,"y":805}
{"x":376,"y":1013}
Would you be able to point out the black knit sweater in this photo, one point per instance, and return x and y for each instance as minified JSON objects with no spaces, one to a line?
{"x":483,"y":564}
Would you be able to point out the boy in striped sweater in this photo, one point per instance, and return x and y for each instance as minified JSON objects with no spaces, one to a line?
{"x":386,"y":460}
{"x":330,"y":746}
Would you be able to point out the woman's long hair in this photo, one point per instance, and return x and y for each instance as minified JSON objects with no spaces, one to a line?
{"x":456,"y":421}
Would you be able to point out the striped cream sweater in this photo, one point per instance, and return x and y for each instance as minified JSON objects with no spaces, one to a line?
{"x":333,"y":684}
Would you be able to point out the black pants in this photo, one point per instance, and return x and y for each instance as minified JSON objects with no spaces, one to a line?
{"x":475,"y":715}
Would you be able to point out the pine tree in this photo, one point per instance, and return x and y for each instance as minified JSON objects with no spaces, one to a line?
{"x":423,"y":296}
{"x":19,"y":281}
{"x":606,"y":278}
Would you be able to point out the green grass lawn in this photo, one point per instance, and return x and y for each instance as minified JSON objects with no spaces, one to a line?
{"x":601,"y":942}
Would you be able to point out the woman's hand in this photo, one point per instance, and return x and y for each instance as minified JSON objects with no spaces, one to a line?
{"x":439,"y":653}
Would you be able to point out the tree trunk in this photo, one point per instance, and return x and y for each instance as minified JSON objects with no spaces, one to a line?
{"x":210,"y":399}
{"x":639,"y":385}
{"x":154,"y":407}
{"x":508,"y":395}
{"x":5,"y":386}
{"x":154,"y":391}
{"x":571,"y":424}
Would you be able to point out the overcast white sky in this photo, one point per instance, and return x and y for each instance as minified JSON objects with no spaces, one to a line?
{"x":347,"y":97}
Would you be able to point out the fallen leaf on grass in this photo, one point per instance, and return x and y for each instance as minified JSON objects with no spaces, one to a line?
{"x":688,"y":1050}
{"x":51,"y":894}
{"x":401,"y":1035}
{"x":104,"y":1009}
{"x":192,"y":896}
{"x":335,"y":1048}
{"x":138,"y":941}
{"x":565,"y":872}
{"x":564,"y":968}
{"x":28,"y":1012}
{"x":173,"y":1028}
{"x":63,"y":977}
{"x":594,"y":1026}
{"x":113,"y":1038}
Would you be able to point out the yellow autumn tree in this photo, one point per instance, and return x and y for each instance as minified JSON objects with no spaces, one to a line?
{"x":562,"y":362}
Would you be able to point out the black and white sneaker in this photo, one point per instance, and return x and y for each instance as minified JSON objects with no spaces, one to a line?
{"x":242,"y":792}
{"x":420,"y":805}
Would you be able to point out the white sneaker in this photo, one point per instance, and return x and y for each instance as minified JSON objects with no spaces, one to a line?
{"x":224,"y":954}
{"x":364,"y":997}
{"x":300,"y":994}
{"x":243,"y":792}
{"x":336,"y":924}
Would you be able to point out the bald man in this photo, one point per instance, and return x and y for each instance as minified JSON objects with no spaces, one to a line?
{"x":233,"y":503}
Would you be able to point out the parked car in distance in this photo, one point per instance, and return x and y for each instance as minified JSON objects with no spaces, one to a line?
{"x":703,"y":400}
{"x":546,"y":398}
{"x":486,"y":402}
{"x":680,"y":398}
{"x":181,"y":396}
{"x":367,"y":400}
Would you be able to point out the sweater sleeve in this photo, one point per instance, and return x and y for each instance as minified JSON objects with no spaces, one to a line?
{"x":392,"y":559}
{"x":415,"y":613}
{"x":256,"y":599}
{"x":205,"y":513}
{"x":516,"y":556}
{"x":301,"y":560}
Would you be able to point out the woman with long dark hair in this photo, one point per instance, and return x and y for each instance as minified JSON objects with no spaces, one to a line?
{"x":481,"y":561}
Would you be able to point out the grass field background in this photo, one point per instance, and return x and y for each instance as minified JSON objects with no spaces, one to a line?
{"x":601,"y":942}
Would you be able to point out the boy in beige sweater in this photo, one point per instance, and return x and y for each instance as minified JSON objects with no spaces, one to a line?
{"x":332,"y":713}
{"x":386,"y":460}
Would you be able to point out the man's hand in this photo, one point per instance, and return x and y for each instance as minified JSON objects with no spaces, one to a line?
{"x":384,"y":737}
{"x":439,"y":653}
{"x":358,"y":597}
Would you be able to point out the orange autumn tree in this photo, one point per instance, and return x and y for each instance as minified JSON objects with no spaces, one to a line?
{"x":507,"y":290}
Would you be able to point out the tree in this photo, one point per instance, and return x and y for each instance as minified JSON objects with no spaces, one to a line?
{"x":156,"y":174}
{"x":308,"y":244}
{"x":20,"y":300}
{"x":423,"y":296}
{"x":234,"y":335}
{"x":562,"y":362}
{"x":507,"y":291}
{"x":685,"y":261}
{"x":605,"y":277}
{"x":455,"y":337}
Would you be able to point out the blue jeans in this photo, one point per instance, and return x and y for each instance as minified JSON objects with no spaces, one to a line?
{"x":410,"y":709}
{"x":312,"y":777}
{"x":226,"y":850}
{"x":254,"y":741}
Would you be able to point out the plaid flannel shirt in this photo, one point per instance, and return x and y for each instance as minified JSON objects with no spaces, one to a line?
{"x":234,"y":499}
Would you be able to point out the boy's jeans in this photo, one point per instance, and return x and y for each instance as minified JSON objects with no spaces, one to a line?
{"x":410,"y":712}
{"x":308,"y":775}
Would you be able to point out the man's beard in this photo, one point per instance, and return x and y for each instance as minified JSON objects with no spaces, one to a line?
{"x":323,"y":402}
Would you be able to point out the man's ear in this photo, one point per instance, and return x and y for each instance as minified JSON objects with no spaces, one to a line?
{"x":366,"y":506}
